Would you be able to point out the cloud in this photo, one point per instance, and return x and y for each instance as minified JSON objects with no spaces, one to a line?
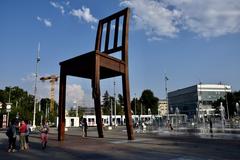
{"x":93,"y":27}
{"x":84,"y":14}
{"x":154,"y":17}
{"x":166,"y":18}
{"x":67,"y":3}
{"x":28,"y":78}
{"x":58,"y":6}
{"x":74,"y":93}
{"x":46,"y":22}
{"x":39,"y":18}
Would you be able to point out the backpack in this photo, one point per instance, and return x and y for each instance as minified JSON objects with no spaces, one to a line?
{"x":9,"y":132}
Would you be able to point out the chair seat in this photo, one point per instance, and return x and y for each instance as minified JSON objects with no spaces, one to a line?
{"x":83,"y":65}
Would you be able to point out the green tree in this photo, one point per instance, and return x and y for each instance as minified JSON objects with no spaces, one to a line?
{"x":21,"y":103}
{"x":232,"y":99}
{"x":106,"y":107}
{"x":137,"y":102}
{"x":120,"y":105}
{"x":72,"y":112}
{"x":149,"y":101}
{"x":45,"y":110}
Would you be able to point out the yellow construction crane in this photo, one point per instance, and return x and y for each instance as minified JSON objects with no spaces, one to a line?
{"x":52,"y":79}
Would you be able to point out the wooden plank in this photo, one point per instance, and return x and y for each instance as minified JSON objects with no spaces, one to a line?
{"x":116,"y":33}
{"x":99,"y":37}
{"x":107,"y":36}
{"x":112,"y":64}
{"x":113,"y":50}
{"x":125,"y":37}
{"x":113,"y":16}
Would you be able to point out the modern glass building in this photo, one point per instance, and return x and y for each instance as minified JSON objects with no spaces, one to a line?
{"x":201,"y":96}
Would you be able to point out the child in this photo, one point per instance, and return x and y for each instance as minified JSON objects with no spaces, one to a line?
{"x":44,"y":135}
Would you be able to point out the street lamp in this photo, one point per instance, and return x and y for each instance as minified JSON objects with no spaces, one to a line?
{"x":166,"y":90}
{"x":8,"y":107}
{"x":135,"y":105}
{"x":115,"y":105}
{"x":111,"y":112}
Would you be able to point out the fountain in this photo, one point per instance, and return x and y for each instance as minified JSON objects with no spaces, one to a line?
{"x":222,"y":110}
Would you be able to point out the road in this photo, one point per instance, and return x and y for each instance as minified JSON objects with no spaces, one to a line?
{"x":163,"y":146}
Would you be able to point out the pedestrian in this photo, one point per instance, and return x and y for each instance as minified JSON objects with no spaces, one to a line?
{"x":170,"y":125}
{"x":210,"y":125}
{"x":22,"y":131}
{"x":44,"y":134}
{"x":84,"y":127}
{"x":27,"y":134}
{"x":11,"y":133}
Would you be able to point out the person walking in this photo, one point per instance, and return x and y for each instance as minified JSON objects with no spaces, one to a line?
{"x":84,"y":127}
{"x":22,"y":131}
{"x":27,"y":134}
{"x":11,"y":133}
{"x":211,"y":127}
{"x":44,"y":135}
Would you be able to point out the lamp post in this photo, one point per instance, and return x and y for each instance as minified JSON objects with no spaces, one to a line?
{"x":135,"y":113}
{"x":8,"y":107}
{"x":166,"y":79}
{"x":9,"y":95}
{"x":115,"y":105}
{"x":111,"y":112}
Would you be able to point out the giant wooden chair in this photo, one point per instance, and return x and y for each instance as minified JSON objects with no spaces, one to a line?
{"x":99,"y":64}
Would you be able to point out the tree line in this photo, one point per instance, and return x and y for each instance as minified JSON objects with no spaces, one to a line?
{"x":142,"y":105}
{"x":22,"y":104}
{"x":230,"y":101}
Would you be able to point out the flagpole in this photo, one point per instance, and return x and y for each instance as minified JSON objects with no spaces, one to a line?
{"x":35,"y":87}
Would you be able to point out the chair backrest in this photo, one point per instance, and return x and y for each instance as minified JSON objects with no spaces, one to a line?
{"x":116,"y":23}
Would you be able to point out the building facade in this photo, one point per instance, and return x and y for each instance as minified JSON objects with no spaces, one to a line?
{"x":198,"y":97}
{"x":162,"y":107}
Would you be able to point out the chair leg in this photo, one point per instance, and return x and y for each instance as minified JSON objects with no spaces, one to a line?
{"x":127,"y":106}
{"x":61,"y":110}
{"x":96,"y":96}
